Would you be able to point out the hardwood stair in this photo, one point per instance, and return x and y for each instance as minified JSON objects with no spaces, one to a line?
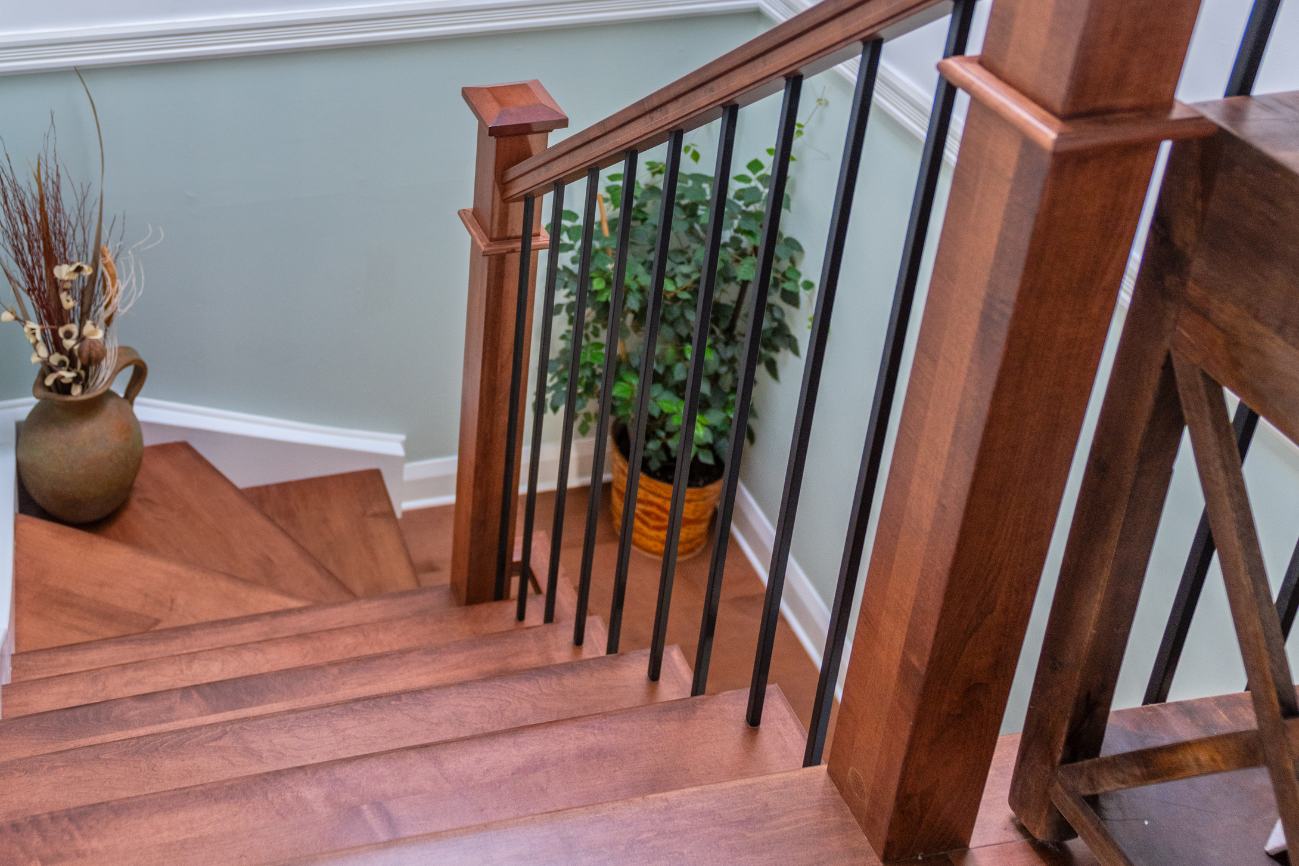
{"x":380,"y":797}
{"x":347,"y":523}
{"x":772,"y":819}
{"x":201,"y":713}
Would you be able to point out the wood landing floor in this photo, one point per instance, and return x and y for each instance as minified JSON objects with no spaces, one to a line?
{"x":428,"y":536}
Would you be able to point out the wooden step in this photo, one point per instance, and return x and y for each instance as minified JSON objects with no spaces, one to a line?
{"x":795,"y":818}
{"x":224,"y":632}
{"x":227,"y":750}
{"x":71,"y":586}
{"x":431,"y":628}
{"x":184,"y":509}
{"x":296,"y":688}
{"x":347,"y":523}
{"x":405,"y":792}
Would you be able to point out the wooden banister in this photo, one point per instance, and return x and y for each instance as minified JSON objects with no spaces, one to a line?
{"x":1058,"y":149}
{"x":826,"y":34}
{"x":514,"y":121}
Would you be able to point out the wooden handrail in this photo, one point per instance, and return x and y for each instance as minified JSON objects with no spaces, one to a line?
{"x":823,"y":36}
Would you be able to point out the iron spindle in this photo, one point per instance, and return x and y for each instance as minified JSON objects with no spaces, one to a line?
{"x":752,"y":343}
{"x":859,"y":517}
{"x":1287,"y":598}
{"x":570,"y":397}
{"x":840,"y":217}
{"x":636,"y":443}
{"x":1244,"y":73}
{"x":698,"y":353}
{"x":509,"y":490}
{"x":616,"y":296}
{"x":539,"y":408}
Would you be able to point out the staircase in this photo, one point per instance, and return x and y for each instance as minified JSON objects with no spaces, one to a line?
{"x":215,"y":675}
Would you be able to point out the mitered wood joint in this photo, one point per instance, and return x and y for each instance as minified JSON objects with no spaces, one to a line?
{"x":485,"y":246}
{"x":1063,"y":136}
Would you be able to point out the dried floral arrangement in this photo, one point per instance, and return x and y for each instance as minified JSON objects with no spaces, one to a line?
{"x":70,"y":274}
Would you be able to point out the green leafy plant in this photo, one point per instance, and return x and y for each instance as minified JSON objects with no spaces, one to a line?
{"x":737,"y":268}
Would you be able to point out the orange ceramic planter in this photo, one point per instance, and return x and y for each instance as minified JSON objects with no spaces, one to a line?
{"x":653,"y":497}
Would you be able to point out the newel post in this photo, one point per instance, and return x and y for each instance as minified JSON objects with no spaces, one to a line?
{"x":1068,"y":103}
{"x":514,"y":121}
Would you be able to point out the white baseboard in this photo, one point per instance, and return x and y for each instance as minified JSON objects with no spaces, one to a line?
{"x":430,"y":483}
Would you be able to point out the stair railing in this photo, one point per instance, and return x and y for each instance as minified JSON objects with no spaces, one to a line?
{"x":1061,"y":139}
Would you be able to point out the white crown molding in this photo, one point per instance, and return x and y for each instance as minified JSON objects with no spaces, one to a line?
{"x":347,"y":23}
{"x":190,"y":37}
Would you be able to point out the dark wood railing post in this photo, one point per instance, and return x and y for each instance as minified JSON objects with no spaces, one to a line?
{"x":1069,"y":101}
{"x":514,"y":121}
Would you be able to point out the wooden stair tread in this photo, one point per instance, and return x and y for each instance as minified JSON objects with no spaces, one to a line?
{"x":71,"y":586}
{"x":224,"y":632}
{"x":347,"y":523}
{"x":431,"y":628}
{"x":381,"y":797}
{"x":182,"y":508}
{"x":226,"y":750}
{"x":784,"y":819}
{"x":296,"y":688}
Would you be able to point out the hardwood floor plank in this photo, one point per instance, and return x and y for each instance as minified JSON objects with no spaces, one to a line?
{"x":224,"y":632}
{"x":278,"y":691}
{"x":346,"y":521}
{"x":377,"y":798}
{"x":226,"y":750}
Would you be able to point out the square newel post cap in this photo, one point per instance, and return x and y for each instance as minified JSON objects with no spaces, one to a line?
{"x":519,"y":108}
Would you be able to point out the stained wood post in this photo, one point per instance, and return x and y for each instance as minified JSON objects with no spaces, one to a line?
{"x":514,"y":122}
{"x":1068,"y":103}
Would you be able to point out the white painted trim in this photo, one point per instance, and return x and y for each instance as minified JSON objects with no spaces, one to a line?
{"x":336,"y":24}
{"x":8,"y":509}
{"x":430,"y":483}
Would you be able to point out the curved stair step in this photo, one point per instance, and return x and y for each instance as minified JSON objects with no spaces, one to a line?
{"x":795,"y":818}
{"x":278,"y":691}
{"x":71,"y":587}
{"x":428,"y":629}
{"x":161,"y":642}
{"x":227,"y":750}
{"x":182,"y":508}
{"x":406,"y":792}
{"x":347,"y":523}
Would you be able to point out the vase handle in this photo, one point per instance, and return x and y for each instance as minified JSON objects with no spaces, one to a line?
{"x":128,"y":357}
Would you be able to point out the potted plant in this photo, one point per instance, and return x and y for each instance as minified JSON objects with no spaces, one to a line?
{"x":737,"y":266}
{"x":72,"y":279}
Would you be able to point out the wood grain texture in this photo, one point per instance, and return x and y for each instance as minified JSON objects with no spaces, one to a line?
{"x":405,"y":792}
{"x":346,"y":521}
{"x":227,"y":750}
{"x":1009,"y":344}
{"x":278,"y":691}
{"x":783,"y":819}
{"x":514,"y":121}
{"x":210,"y":634}
{"x":182,"y":508}
{"x":71,"y":586}
{"x":430,"y":629}
{"x":814,"y":40}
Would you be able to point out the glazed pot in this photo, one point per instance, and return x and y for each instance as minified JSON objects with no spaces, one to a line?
{"x":78,"y":456}
{"x":653,"y":499}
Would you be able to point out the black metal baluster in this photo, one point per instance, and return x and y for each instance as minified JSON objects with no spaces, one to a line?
{"x":837,"y":240}
{"x":509,"y":491}
{"x":1244,"y":72}
{"x":653,"y":319}
{"x":1287,"y":598}
{"x":922,"y":205}
{"x":616,"y":296}
{"x":570,"y":399}
{"x":539,"y":405}
{"x":744,"y":389}
{"x":698,"y":352}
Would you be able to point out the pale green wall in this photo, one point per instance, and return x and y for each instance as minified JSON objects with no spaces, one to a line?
{"x":314,"y":267}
